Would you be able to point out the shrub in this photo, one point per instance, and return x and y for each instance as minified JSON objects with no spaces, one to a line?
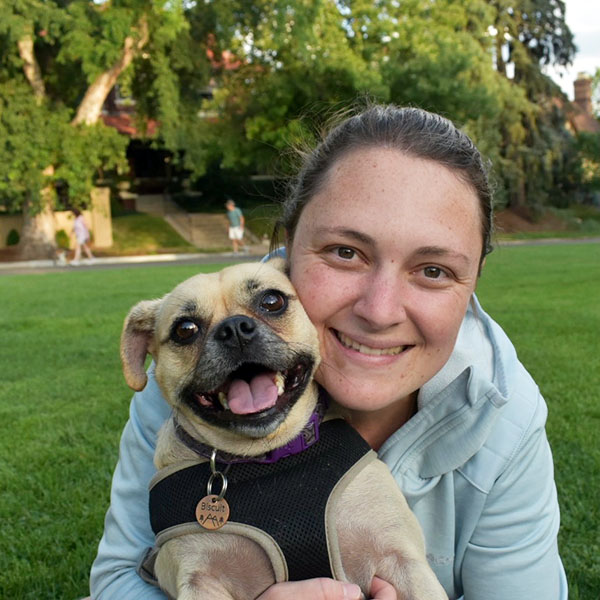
{"x":13,"y":237}
{"x":62,"y":239}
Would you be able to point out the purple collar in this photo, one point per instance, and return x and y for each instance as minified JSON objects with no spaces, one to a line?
{"x":305,"y":439}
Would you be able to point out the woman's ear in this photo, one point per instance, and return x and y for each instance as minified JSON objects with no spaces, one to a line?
{"x":136,"y":342}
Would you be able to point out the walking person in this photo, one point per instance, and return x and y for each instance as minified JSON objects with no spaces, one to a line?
{"x":82,"y":237}
{"x":236,"y":225}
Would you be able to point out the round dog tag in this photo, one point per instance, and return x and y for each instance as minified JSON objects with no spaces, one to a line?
{"x":212,"y":512}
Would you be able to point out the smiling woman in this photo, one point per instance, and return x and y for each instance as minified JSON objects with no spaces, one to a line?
{"x":391,"y":280}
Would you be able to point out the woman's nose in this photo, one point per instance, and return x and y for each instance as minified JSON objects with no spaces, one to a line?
{"x":381,"y":300}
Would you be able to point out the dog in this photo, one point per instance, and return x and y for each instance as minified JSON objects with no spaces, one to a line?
{"x":251,"y":438}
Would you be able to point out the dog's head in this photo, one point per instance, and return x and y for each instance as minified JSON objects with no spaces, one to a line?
{"x":235,"y":354}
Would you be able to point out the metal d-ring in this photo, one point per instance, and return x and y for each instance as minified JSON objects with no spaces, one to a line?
{"x":214,"y":474}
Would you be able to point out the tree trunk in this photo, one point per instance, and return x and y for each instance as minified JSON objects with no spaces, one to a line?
{"x":38,"y":235}
{"x":91,"y":106}
{"x":31,"y":67}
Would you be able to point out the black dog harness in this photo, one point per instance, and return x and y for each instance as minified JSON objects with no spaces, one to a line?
{"x":287,"y":500}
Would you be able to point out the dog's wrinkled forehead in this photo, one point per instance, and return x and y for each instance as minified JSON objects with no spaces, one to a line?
{"x":213,"y":296}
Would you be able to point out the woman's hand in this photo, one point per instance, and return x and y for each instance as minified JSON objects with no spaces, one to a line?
{"x":382,"y":590}
{"x":326,"y":589}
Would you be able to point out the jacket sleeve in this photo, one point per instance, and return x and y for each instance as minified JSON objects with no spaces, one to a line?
{"x":127,"y":531}
{"x":513,"y":551}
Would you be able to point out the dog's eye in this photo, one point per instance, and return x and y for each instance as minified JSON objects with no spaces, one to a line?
{"x":273,"y":301}
{"x":185,"y":331}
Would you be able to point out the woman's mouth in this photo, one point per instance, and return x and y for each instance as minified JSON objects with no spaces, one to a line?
{"x":348,"y":342}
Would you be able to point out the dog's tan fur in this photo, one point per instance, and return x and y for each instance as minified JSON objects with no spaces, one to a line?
{"x":226,"y":566}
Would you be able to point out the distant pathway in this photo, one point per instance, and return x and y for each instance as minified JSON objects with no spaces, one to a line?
{"x":549,"y":241}
{"x":120,"y":262}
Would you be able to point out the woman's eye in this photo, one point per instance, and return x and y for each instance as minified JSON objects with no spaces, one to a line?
{"x":185,"y":331}
{"x":345,"y":253}
{"x":433,"y":272}
{"x":273,"y":302}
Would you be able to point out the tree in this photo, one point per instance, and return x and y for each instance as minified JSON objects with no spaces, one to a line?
{"x":298,"y":58}
{"x":596,"y":93}
{"x":477,"y":62}
{"x":536,"y":151}
{"x":61,"y":60}
{"x":231,"y":82}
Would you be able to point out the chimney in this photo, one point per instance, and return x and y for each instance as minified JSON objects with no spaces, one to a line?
{"x":583,"y":93}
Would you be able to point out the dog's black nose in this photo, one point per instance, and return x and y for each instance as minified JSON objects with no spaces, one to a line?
{"x":236,"y":331}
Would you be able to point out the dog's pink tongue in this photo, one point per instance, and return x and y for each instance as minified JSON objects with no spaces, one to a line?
{"x":259,"y":394}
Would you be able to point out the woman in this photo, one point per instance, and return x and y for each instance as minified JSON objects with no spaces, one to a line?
{"x":82,"y":237}
{"x":387,"y":228}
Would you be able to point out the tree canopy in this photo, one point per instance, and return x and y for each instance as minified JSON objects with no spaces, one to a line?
{"x":233,"y":83}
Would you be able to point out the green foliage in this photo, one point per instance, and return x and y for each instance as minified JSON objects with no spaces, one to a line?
{"x":62,"y":239}
{"x":26,"y":131}
{"x":13,"y":237}
{"x":589,"y":146}
{"x":536,"y":156}
{"x":84,"y":150}
{"x":596,"y":92}
{"x":34,"y":136}
{"x":234,"y":84}
{"x":75,"y":41}
{"x":296,"y":63}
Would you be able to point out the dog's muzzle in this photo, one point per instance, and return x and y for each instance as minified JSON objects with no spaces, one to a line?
{"x":259,"y":378}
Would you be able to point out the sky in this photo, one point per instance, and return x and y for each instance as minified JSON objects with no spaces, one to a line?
{"x":583,"y":18}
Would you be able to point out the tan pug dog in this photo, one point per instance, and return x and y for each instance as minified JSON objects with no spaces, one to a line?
{"x":235,"y":355}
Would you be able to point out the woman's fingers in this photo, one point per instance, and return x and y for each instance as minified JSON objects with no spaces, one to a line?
{"x":313,"y":589}
{"x":382,"y":590}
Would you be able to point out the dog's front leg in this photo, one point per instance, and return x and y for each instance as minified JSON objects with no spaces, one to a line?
{"x":206,"y":588}
{"x":379,"y":535}
{"x":213,"y":566}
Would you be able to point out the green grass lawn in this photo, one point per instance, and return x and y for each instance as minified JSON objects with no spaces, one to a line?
{"x":145,"y":234}
{"x":63,"y":403}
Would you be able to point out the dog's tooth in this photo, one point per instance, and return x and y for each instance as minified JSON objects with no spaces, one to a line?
{"x":223,"y":400}
{"x":280,"y":383}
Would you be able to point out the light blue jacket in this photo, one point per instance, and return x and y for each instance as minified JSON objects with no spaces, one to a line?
{"x":474,"y":464}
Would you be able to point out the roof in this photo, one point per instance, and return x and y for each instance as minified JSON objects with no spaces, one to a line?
{"x":124,"y":123}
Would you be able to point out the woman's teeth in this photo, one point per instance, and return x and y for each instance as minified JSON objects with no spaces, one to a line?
{"x":350,"y":343}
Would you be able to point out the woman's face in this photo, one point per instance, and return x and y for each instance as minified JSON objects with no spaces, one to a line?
{"x":385,"y":259}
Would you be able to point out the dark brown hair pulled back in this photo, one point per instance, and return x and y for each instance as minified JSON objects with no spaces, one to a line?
{"x":413,"y":131}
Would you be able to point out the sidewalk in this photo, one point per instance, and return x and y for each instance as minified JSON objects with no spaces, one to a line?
{"x":46,"y":266}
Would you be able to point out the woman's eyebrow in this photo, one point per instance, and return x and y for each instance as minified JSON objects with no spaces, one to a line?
{"x":440,"y":251}
{"x":359,"y":236}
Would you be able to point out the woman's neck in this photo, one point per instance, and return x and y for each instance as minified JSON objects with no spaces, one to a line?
{"x":377,"y":426}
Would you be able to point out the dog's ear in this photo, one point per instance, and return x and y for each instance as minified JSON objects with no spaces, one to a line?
{"x":277,"y":262}
{"x":136,"y":342}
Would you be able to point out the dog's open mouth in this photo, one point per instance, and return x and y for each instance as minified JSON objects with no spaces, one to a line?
{"x":254,"y":389}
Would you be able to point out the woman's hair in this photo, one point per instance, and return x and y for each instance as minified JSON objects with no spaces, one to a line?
{"x":413,"y":131}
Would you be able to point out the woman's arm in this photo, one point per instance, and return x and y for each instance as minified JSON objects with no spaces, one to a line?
{"x":127,"y":531}
{"x":513,"y":551}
